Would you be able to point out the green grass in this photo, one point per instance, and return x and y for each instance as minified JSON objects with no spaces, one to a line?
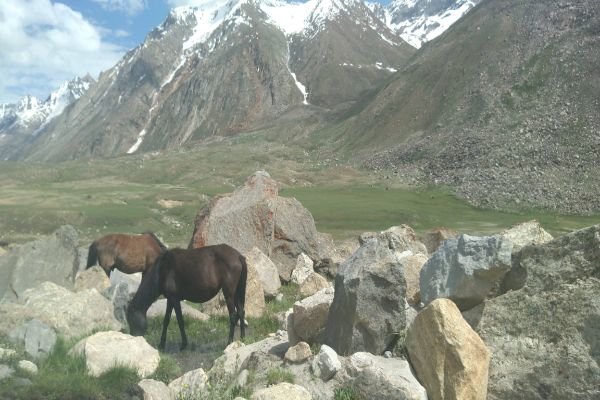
{"x":278,"y":375}
{"x":344,"y":210}
{"x":61,"y":376}
{"x":346,"y":393}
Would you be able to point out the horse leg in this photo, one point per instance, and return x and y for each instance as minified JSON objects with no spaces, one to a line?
{"x":241,"y":316}
{"x":232,"y":313}
{"x":163,"y":336}
{"x":179,"y":314}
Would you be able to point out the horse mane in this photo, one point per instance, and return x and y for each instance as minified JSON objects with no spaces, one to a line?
{"x":149,"y":289}
{"x":160,"y":243}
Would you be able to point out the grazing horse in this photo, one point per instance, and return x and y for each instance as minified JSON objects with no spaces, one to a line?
{"x":196,"y":275}
{"x":127,"y":253}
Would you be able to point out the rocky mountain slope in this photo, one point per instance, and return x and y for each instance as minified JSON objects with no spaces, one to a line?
{"x":20,"y":122}
{"x":419,"y":21}
{"x":503,"y":107}
{"x":223,"y":68}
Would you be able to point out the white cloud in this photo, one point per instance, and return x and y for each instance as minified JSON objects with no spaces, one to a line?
{"x":177,"y":3}
{"x":43,"y":44}
{"x":130,"y":7}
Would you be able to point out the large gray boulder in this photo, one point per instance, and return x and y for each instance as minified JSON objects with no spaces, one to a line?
{"x":69,"y":314}
{"x":255,"y":216}
{"x":376,"y":377}
{"x":368,"y":308}
{"x":37,"y":337}
{"x":544,"y":336}
{"x":307,"y":322}
{"x":465,"y":269}
{"x":50,"y":259}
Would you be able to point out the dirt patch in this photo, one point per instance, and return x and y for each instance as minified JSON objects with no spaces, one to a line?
{"x":170,"y":203}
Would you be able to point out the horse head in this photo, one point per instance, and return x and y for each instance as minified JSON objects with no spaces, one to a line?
{"x":137,"y":321}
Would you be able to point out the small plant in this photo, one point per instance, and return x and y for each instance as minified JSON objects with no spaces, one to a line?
{"x":278,"y":375}
{"x":346,"y":393}
{"x":400,"y":347}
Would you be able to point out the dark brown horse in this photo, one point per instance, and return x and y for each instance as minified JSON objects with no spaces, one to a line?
{"x":196,"y":275}
{"x":127,"y":253}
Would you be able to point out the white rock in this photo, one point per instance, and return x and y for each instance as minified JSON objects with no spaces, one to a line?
{"x":155,"y":390}
{"x":267,"y":271}
{"x":282,"y":391}
{"x":326,"y":364}
{"x":189,"y":384}
{"x":104,"y":350}
{"x":28,"y":366}
{"x":304,"y":267}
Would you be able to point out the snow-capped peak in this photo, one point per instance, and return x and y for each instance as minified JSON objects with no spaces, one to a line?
{"x":31,"y":112}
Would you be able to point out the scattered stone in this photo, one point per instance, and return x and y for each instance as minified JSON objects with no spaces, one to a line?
{"x":526,"y":233}
{"x":28,"y":367}
{"x":267,"y":271}
{"x":402,"y":238}
{"x":189,"y":384}
{"x":309,"y":317}
{"x":104,"y":350}
{"x":303,"y":268}
{"x":159,"y":308}
{"x":92,"y":278}
{"x":282,"y":391}
{"x":38,"y":338}
{"x":449,"y":358}
{"x":131,"y":280}
{"x":312,"y":284}
{"x":465,"y":270}
{"x":387,"y":354}
{"x":376,"y":377}
{"x":326,"y":364}
{"x":119,"y":296}
{"x":155,"y":390}
{"x":368,"y":309}
{"x":298,"y":353}
{"x":53,"y":259}
{"x":67,"y":313}
{"x":6,"y":353}
{"x":5,"y":372}
{"x":279,"y":297}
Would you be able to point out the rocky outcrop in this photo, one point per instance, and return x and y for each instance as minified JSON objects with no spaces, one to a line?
{"x":313,"y":284}
{"x":255,"y":216}
{"x":69,"y":314}
{"x":190,"y":384}
{"x":37,"y":337}
{"x":526,"y":233}
{"x":103,"y":350}
{"x":307,"y":322}
{"x":155,"y":390}
{"x":544,"y":335}
{"x":267,"y":271}
{"x":413,"y":263}
{"x":376,"y":377}
{"x":92,"y":278}
{"x":465,"y":270}
{"x":449,"y":358}
{"x":282,"y":391}
{"x":368,"y":309}
{"x":53,"y":259}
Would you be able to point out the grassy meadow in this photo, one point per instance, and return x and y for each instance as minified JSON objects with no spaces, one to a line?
{"x":162,"y":192}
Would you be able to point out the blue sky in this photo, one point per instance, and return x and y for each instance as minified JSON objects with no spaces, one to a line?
{"x":46,"y":42}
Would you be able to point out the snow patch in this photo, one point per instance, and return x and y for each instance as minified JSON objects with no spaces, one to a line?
{"x":138,"y":142}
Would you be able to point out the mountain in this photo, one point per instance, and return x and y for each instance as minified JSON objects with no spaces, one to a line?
{"x":20,"y":122}
{"x":419,"y":21}
{"x":503,"y":107}
{"x":222,"y":68}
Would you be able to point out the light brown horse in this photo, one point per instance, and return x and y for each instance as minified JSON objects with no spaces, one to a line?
{"x":127,"y":253}
{"x":196,"y":275}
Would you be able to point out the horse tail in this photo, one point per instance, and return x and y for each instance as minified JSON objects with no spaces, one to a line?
{"x":240,"y":292}
{"x":162,"y":246}
{"x":92,"y":255}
